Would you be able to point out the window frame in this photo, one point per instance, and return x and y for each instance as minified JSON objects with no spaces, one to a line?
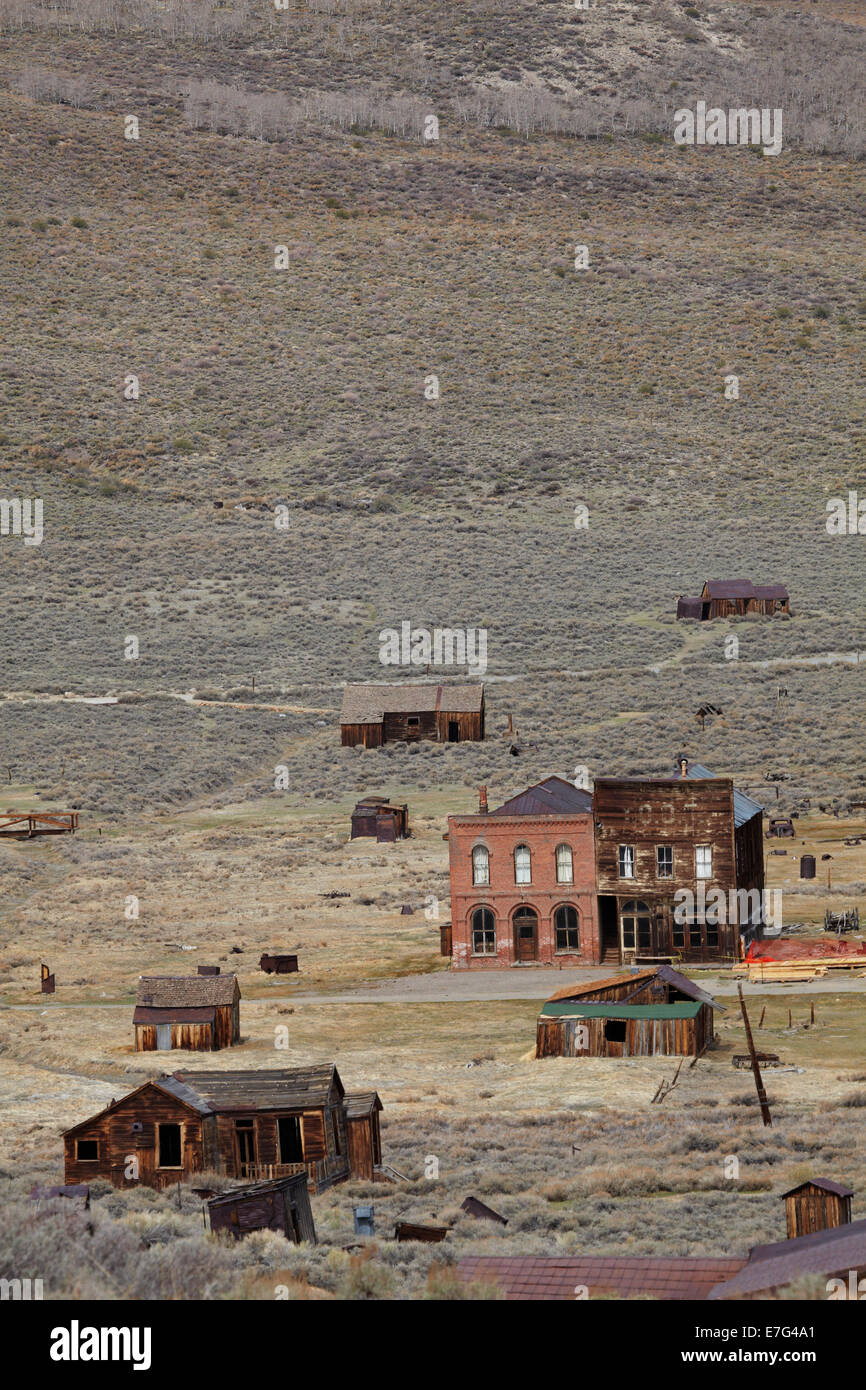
{"x":667,"y":850}
{"x":622,"y":854}
{"x":570,"y":852}
{"x":484,"y":930}
{"x":522,"y":847}
{"x":160,"y":1126}
{"x":566,"y":950}
{"x":480,"y":882}
{"x":78,"y":1155}
{"x":708,"y":851}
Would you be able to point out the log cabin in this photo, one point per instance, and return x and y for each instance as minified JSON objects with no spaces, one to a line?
{"x":197,"y":1012}
{"x":251,"y":1125}
{"x":408,"y":713}
{"x":642,"y":1013}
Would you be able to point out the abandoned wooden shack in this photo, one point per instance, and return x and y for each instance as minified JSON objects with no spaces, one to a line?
{"x":734,"y":598}
{"x":819,"y":1204}
{"x":253,"y":1125}
{"x":278,"y":964}
{"x":197,"y":1012}
{"x":643,"y":1013}
{"x":407,"y":713}
{"x":362,"y":1128}
{"x":280,"y":1205}
{"x":658,"y":838}
{"x":380,"y":819}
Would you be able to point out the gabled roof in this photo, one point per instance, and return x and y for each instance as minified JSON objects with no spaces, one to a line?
{"x":360,"y":1104}
{"x":823,"y":1253}
{"x":185,"y":991}
{"x":190,"y":1101}
{"x":552,"y":1277}
{"x":826,"y":1184}
{"x":637,"y":978}
{"x":552,"y":797}
{"x":744,"y":807}
{"x":299,"y":1089}
{"x":730,"y":588}
{"x":368,"y":704}
{"x":770,"y":591}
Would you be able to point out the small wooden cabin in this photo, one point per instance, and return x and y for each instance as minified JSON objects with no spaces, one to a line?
{"x":817,"y":1205}
{"x":278,"y":964}
{"x":362,"y":1127}
{"x":198,"y":1012}
{"x":639,"y":1014}
{"x":734,"y":598}
{"x":252,"y":1125}
{"x":377,"y":817}
{"x":281,"y":1205}
{"x":377,"y":714}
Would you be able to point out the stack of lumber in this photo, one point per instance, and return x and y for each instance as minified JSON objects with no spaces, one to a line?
{"x":793,"y":971}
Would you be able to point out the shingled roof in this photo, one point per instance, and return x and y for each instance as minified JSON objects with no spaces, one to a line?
{"x":360,"y":1104}
{"x":553,"y":1277}
{"x":368,"y":704}
{"x":185,"y":991}
{"x":298,"y":1089}
{"x":552,"y":797}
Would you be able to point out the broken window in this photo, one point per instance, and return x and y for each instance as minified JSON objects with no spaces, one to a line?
{"x":87,"y":1150}
{"x":614,"y":1030}
{"x":480,"y":864}
{"x":664,"y":861}
{"x":522,"y":865}
{"x":626,"y":861}
{"x":564,"y":864}
{"x":703,"y":861}
{"x":291,"y":1139}
{"x":483,"y":932}
{"x":566,"y":924}
{"x":413,"y":721}
{"x":169,"y":1146}
{"x":246,"y":1139}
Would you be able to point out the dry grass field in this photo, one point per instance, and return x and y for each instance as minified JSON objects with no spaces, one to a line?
{"x":297,"y":396}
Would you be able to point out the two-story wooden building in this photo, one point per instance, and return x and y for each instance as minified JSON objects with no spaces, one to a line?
{"x":523,"y":880}
{"x":659,"y":839}
{"x":253,"y":1125}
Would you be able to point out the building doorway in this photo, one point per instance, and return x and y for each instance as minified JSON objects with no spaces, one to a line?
{"x":525,"y":934}
{"x":608,"y":930}
{"x":291,"y":1141}
{"x":453,"y":731}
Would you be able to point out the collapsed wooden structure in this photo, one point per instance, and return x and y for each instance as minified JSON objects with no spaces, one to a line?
{"x":252,"y":1125}
{"x":23,"y":825}
{"x":198,"y":1012}
{"x":280,"y":1205}
{"x":380,"y":819}
{"x":640,"y":1014}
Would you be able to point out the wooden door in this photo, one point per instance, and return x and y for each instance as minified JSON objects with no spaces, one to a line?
{"x":526,"y":935}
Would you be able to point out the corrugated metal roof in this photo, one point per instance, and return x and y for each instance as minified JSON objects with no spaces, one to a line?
{"x":823,"y":1253}
{"x":255,"y":1090}
{"x":552,"y":797}
{"x":611,"y":1009}
{"x":368,"y":703}
{"x":185,"y":991}
{"x":555,"y":1277}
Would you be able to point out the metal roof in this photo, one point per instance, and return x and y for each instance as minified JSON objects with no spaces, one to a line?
{"x":554,"y":1277}
{"x":301,"y":1088}
{"x":185,"y":991}
{"x":368,"y":703}
{"x":552,"y":797}
{"x":823,"y":1253}
{"x":611,"y":1009}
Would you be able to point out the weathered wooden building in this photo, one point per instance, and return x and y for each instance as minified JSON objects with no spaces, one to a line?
{"x":380,"y":819}
{"x":280,"y":1205}
{"x":817,"y":1205}
{"x":253,"y":1125}
{"x":362,"y":1127}
{"x":734,"y":598}
{"x":197,"y":1012}
{"x":639,"y":1014}
{"x":679,"y":866}
{"x":407,"y":713}
{"x":523,"y":880}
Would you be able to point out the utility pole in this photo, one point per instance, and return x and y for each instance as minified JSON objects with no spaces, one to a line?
{"x":759,"y":1085}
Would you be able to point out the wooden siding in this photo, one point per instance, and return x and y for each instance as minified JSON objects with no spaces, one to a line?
{"x":432,"y":725}
{"x":364,"y":1145}
{"x":815,"y":1210}
{"x":284,"y":1206}
{"x":119,"y":1143}
{"x":644,"y":1037}
{"x":225,"y":1031}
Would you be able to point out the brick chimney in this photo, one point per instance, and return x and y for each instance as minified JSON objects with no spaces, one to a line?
{"x":482,"y":801}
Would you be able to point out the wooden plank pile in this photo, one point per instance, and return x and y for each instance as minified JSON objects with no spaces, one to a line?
{"x":799,"y":971}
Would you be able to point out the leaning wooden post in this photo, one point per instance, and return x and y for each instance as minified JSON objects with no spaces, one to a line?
{"x":759,"y":1085}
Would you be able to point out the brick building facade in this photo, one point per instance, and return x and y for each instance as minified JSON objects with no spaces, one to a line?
{"x":523,"y":881}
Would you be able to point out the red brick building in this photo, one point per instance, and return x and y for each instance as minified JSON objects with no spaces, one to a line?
{"x":523,"y":881}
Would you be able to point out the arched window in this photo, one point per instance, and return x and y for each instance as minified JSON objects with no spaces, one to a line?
{"x":522,"y":865}
{"x":480,"y":864}
{"x":567,"y":926}
{"x":483,"y":932}
{"x":564,"y":864}
{"x":636,"y":931}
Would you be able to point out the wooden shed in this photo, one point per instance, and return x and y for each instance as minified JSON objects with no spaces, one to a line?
{"x":817,"y":1205}
{"x":639,"y":1014}
{"x":362,"y":1127}
{"x":734,"y":598}
{"x":407,"y":713}
{"x":197,"y":1012}
{"x":379,"y":818}
{"x":281,"y":1205}
{"x":252,"y":1125}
